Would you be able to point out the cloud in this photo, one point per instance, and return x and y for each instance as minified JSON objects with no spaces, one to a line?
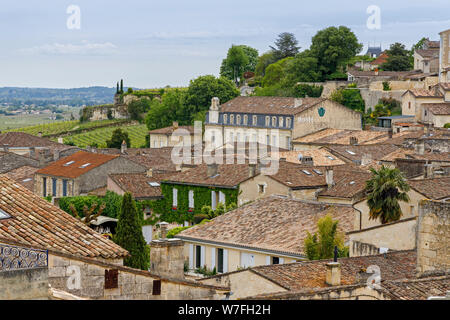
{"x":84,"y":48}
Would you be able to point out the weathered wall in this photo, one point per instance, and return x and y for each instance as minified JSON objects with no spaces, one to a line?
{"x":24,"y":284}
{"x":249,"y":189}
{"x":400,"y":235}
{"x":132,"y":284}
{"x":371,"y":97}
{"x":13,"y":161}
{"x":433,"y":237}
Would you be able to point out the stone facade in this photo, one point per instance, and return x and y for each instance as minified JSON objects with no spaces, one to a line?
{"x":11,"y":161}
{"x":433,"y":237}
{"x":167,"y":258}
{"x":24,"y":284}
{"x":86,"y":278}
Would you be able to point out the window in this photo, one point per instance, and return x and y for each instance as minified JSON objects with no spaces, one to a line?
{"x":409,"y":105}
{"x":255,"y":120}
{"x":44,"y":187}
{"x":238,"y":119}
{"x":350,"y":152}
{"x":261,"y":188}
{"x":274,"y":140}
{"x":425,"y":113}
{"x":221,"y":197}
{"x":231,"y":118}
{"x":111,"y":279}
{"x":245,"y":119}
{"x":247,"y":260}
{"x":225,"y":118}
{"x":231,"y":137}
{"x":191,"y":199}
{"x":275,"y":260}
{"x":267,"y":121}
{"x":306,"y":172}
{"x":281,"y":122}
{"x":69,"y":163}
{"x":175,"y":197}
{"x":288,"y":143}
{"x":214,"y":200}
{"x":254,"y":137}
{"x":274,"y":121}
{"x":220,"y":260}
{"x":156,"y":287}
{"x":288,"y":122}
{"x":238,"y":137}
{"x":54,"y":187}
{"x":64,"y":188}
{"x":198,"y":256}
{"x":85,"y":165}
{"x":411,"y":210}
{"x":4,"y":215}
{"x":154,"y":184}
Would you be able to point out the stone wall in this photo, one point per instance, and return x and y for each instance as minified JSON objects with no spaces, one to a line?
{"x":371,"y":97}
{"x":400,"y":235}
{"x":433,"y":237}
{"x":86,"y":278}
{"x":24,"y":284}
{"x":13,"y":161}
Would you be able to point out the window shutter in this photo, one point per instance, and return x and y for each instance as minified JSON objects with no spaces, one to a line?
{"x":213,"y":200}
{"x":213,"y":258}
{"x":156,"y":287}
{"x":202,"y":256}
{"x":267,"y":260}
{"x":191,"y":198}
{"x":191,"y":256}
{"x":111,"y":279}
{"x":225,"y":260}
{"x":175,"y":197}
{"x":221,"y":197}
{"x":281,"y":260}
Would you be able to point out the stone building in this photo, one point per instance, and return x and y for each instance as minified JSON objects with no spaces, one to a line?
{"x":163,"y":137}
{"x":274,"y":121}
{"x":80,"y":174}
{"x":267,"y":231}
{"x":427,"y":58}
{"x":10,"y":161}
{"x":444,"y":61}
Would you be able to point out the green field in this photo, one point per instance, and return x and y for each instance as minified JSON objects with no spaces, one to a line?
{"x":136,"y":133}
{"x":62,"y":127}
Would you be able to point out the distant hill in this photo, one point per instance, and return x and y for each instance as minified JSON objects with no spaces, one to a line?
{"x":42,"y":96}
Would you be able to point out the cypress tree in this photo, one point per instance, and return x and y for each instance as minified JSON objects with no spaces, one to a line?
{"x":121,"y":85}
{"x":129,"y":235}
{"x":117,"y":91}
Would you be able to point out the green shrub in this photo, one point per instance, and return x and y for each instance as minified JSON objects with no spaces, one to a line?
{"x":447,"y":125}
{"x":386,"y":86}
{"x":200,"y":217}
{"x":173,"y":232}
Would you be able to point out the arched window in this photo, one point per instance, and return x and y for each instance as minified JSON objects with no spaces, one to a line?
{"x":281,"y":122}
{"x":267,"y":121}
{"x":274,"y":121}
{"x":225,"y":118}
{"x":245,"y":119}
{"x":288,"y":122}
{"x":238,"y":119}
{"x":255,"y":120}
{"x":231,"y":118}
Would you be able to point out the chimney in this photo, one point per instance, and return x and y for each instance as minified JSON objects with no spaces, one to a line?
{"x":212,"y":169}
{"x":429,"y":170}
{"x":150,"y":173}
{"x":175,"y":125}
{"x":56,"y":155}
{"x":252,"y":169}
{"x":123,"y":147}
{"x":333,"y":277}
{"x":329,"y":177}
{"x":42,"y":161}
{"x":353,"y":141}
{"x":215,"y":103}
{"x":282,"y":159}
{"x":390,"y":133}
{"x":32,"y":152}
{"x":366,"y":159}
{"x":166,"y":255}
{"x":5,"y":148}
{"x":420,"y":147}
{"x":298,"y":103}
{"x":40,"y":134}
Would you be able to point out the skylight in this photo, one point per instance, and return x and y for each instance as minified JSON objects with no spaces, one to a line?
{"x":306,"y":172}
{"x":69,"y":163}
{"x":27,"y":179}
{"x":351,"y":152}
{"x":154,"y":184}
{"x":317,"y":171}
{"x":4,"y":215}
{"x":352,"y":182}
{"x":85,"y":165}
{"x":330,"y":157}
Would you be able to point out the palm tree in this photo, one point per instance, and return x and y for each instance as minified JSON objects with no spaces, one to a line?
{"x":385,"y":189}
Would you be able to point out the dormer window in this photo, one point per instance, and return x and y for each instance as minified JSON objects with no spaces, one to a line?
{"x":245,"y":119}
{"x":274,"y":121}
{"x":4,"y":215}
{"x":238,"y":119}
{"x":231,"y":118}
{"x":288,"y":122}
{"x":225,"y":118}
{"x":255,"y":120}
{"x":281,"y":122}
{"x":267,"y":121}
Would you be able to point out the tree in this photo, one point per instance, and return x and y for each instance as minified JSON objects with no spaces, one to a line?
{"x":263,"y":62}
{"x":121,"y":85}
{"x":117,"y":90}
{"x":202,"y":89}
{"x":285,"y":46}
{"x":228,"y":71}
{"x":129,"y":235}
{"x":321,"y":244}
{"x":117,"y":138}
{"x":333,"y":48}
{"x":137,"y":107}
{"x":398,"y":58}
{"x":384,"y":190}
{"x":89,"y":214}
{"x":172,"y":107}
{"x":349,"y":97}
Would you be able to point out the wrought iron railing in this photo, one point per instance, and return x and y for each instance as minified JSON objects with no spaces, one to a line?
{"x":13,"y":258}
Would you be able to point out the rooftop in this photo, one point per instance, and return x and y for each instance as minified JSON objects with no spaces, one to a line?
{"x":441,"y":109}
{"x":21,"y":139}
{"x":171,"y":129}
{"x":140,"y":185}
{"x":356,"y":152}
{"x":76,"y":165}
{"x":321,"y":157}
{"x":340,"y":136}
{"x":269,"y":105}
{"x":24,"y":175}
{"x":275,"y":224}
{"x":37,"y":223}
{"x":434,"y":189}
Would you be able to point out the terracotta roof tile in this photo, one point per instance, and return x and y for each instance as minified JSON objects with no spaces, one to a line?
{"x":37,"y":223}
{"x":321,"y":157}
{"x":438,"y":108}
{"x":75,"y":165}
{"x":435,"y":189}
{"x":139,"y":184}
{"x":341,"y":136}
{"x":24,"y":175}
{"x":171,"y":129}
{"x":21,"y":139}
{"x":416,"y":289}
{"x":275,"y":223}
{"x":356,"y":152}
{"x":348,"y":183}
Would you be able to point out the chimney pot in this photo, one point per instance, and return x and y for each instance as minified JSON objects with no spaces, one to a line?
{"x":329,"y":176}
{"x":333,"y":277}
{"x":150,"y":173}
{"x":252,"y":170}
{"x":175,"y":124}
{"x":390,"y":133}
{"x":40,"y":134}
{"x":163,"y":225}
{"x":123,"y":147}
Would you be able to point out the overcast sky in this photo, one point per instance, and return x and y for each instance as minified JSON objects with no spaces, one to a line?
{"x":157,"y":43}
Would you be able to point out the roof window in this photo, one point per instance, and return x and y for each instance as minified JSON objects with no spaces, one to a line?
{"x":351,"y":152}
{"x":306,"y":172}
{"x":85,"y":165}
{"x":69,"y":163}
{"x":154,"y":184}
{"x":317,"y":171}
{"x":4,"y":215}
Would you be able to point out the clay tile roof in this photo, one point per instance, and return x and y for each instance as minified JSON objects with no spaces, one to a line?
{"x":229,"y":176}
{"x":82,"y":162}
{"x":425,"y":93}
{"x":269,"y":105}
{"x":139,"y":184}
{"x":171,"y":129}
{"x":21,"y":139}
{"x":401,"y":153}
{"x":24,"y":175}
{"x":37,"y":223}
{"x":438,"y":108}
{"x":427,"y":53}
{"x":434,"y":189}
{"x":341,"y":136}
{"x":295,"y":175}
{"x":431,"y":156}
{"x":348,"y":183}
{"x":445,"y":85}
{"x":312,"y":274}
{"x":321,"y":157}
{"x":416,"y":289}
{"x":356,"y":152}
{"x":275,"y":223}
